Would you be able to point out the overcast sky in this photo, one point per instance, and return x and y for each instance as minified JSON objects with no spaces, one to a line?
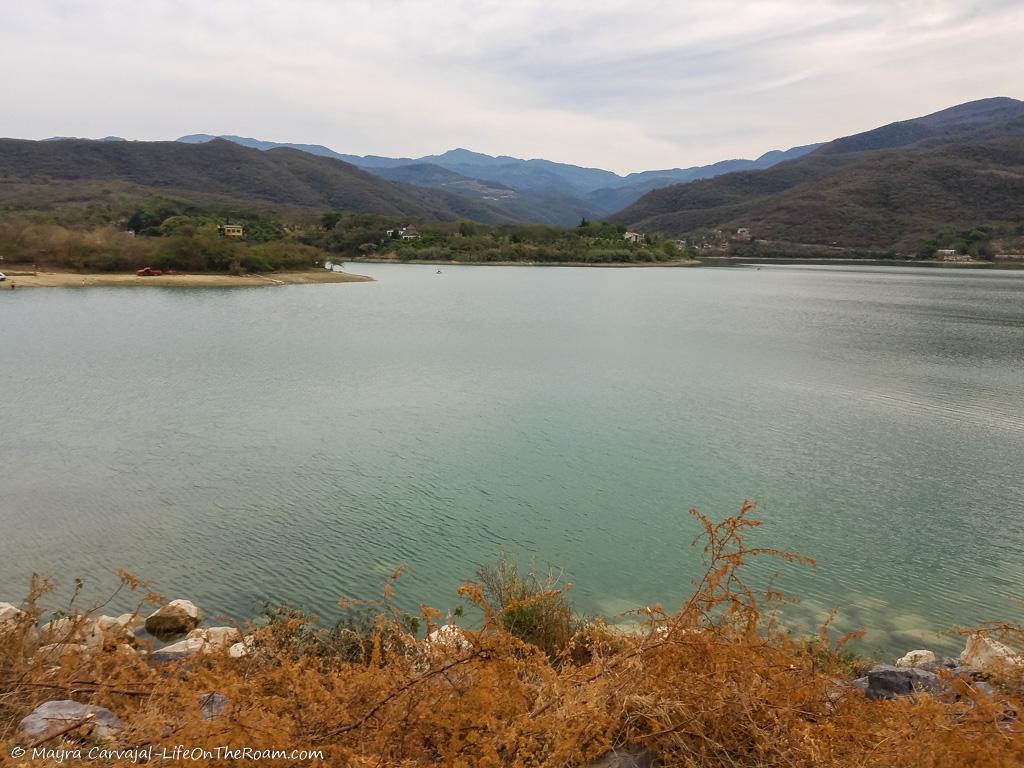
{"x":616,"y":84}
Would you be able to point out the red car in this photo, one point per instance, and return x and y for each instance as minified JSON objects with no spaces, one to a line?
{"x":149,"y":272}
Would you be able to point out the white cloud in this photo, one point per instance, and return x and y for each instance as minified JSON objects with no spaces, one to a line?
{"x":625,"y":85}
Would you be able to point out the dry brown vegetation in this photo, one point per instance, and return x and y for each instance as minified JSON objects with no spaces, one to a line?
{"x":716,"y":683}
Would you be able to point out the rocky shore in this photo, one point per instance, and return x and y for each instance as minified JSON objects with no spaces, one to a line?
{"x":174,"y":633}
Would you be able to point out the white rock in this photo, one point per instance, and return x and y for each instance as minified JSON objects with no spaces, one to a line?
{"x":60,"y":630}
{"x":985,"y":653}
{"x":206,"y":640}
{"x":94,"y":631}
{"x":238,"y":651}
{"x":448,"y":638}
{"x":215,"y":638}
{"x":131,"y":620}
{"x":10,"y":615}
{"x":444,"y":643}
{"x":242,"y":648}
{"x":112,"y":630}
{"x":915,"y":658}
{"x":175,"y":618}
{"x":187,"y":646}
{"x":54,"y":652}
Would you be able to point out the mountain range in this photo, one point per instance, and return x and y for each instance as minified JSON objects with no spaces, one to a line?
{"x":884,"y":189}
{"x":529,"y":190}
{"x":219,"y":173}
{"x":887,"y":188}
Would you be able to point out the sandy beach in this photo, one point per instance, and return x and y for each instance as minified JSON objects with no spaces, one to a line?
{"x":20,"y":280}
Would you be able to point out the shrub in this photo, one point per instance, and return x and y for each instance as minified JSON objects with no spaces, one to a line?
{"x":535,"y":610}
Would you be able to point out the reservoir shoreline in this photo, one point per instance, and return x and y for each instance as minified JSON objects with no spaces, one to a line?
{"x":703,"y":261}
{"x":453,"y":263}
{"x":56,"y":279}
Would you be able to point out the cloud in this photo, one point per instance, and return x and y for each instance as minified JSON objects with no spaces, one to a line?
{"x":625,"y":85}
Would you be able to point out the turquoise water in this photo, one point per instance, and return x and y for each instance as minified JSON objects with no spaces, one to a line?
{"x":251,"y":446}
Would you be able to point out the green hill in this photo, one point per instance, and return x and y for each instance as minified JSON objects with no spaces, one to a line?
{"x":884,"y":189}
{"x":222,"y":171}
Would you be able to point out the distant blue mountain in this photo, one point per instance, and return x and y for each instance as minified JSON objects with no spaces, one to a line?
{"x":565,"y":191}
{"x":76,"y":138}
{"x":313,"y":149}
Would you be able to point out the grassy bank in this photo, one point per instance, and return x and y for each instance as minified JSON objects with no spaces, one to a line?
{"x":521,"y":682}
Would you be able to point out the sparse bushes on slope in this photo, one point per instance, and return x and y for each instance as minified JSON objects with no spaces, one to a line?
{"x":185,"y":247}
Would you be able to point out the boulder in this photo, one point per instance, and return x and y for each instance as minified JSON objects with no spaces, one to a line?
{"x":178,"y":617}
{"x":165,"y":655}
{"x":984,"y":689}
{"x":628,"y":756}
{"x":213,"y":705}
{"x":121,"y":627}
{"x":61,"y":630}
{"x":447,"y":639}
{"x":126,"y":650}
{"x":441,"y":645}
{"x":54,"y":653}
{"x":207,"y":640}
{"x":178,"y":650}
{"x":51,"y":718}
{"x":93,"y":631}
{"x":886,"y":681}
{"x":945,"y":663}
{"x":10,"y":615}
{"x":242,"y":648}
{"x":215,"y":638}
{"x":110,"y":631}
{"x":915,"y":658}
{"x":991,"y":655}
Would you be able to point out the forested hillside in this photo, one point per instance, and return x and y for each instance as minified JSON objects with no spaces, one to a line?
{"x":889,"y":188}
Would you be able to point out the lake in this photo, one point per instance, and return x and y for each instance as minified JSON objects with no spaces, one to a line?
{"x":245,"y":447}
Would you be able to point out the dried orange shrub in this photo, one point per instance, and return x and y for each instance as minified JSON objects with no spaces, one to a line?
{"x":717,"y":683}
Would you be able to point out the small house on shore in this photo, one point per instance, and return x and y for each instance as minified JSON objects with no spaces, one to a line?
{"x":404,"y":233}
{"x":637,"y":238}
{"x":949,"y":254}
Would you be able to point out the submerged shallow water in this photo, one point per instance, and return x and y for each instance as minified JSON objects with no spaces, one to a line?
{"x":252,"y":446}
